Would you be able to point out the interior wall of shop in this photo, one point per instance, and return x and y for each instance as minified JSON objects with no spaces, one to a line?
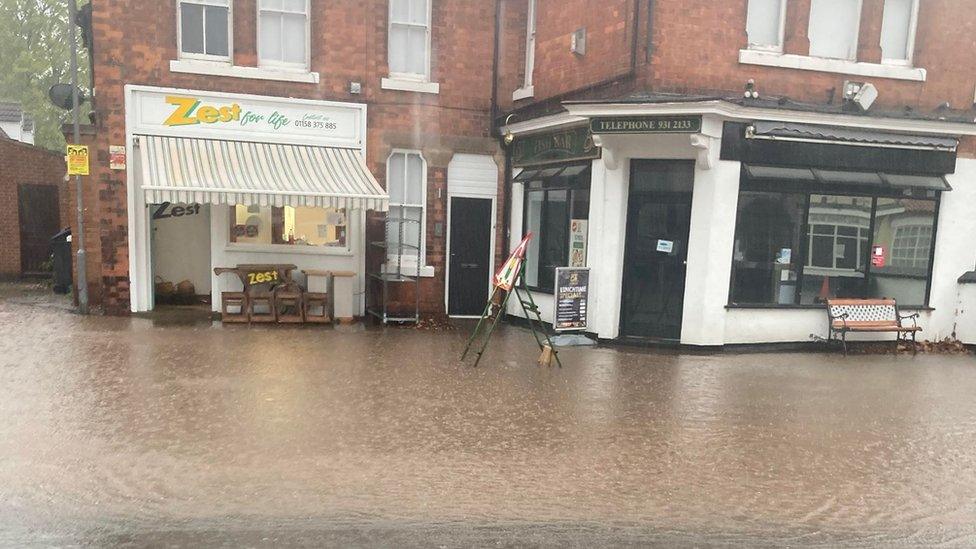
{"x":180,"y":248}
{"x":226,"y":254}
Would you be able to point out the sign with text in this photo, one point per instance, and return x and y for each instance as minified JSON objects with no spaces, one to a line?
{"x":116,"y":157}
{"x":77,"y":160}
{"x":186,"y":113}
{"x":572,"y":295}
{"x":647,"y":124}
{"x":548,"y":148}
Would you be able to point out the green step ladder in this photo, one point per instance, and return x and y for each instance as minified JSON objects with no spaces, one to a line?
{"x":487,"y":323}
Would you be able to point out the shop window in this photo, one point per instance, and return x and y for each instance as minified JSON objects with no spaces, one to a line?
{"x":283,"y":27}
{"x":557,"y":205}
{"x":764,"y":24}
{"x":898,"y":31}
{"x":409,"y":39}
{"x":204,"y":29}
{"x":834,"y":27}
{"x":406,"y":182}
{"x":800,"y":248}
{"x":288,"y":226}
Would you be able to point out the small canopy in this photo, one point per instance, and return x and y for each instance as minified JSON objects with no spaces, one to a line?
{"x":865,"y":180}
{"x":831,"y":134}
{"x":186,"y":170}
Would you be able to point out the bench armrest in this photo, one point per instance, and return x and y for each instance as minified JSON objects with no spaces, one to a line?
{"x":913,"y":317}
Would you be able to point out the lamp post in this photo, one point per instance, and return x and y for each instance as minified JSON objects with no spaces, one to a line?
{"x":76,"y":115}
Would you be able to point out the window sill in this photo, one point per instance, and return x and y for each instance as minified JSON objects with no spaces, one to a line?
{"x":286,"y":249}
{"x":523,"y":93}
{"x":425,"y":272}
{"x":192,"y":66}
{"x":400,"y":84}
{"x":841,"y":66}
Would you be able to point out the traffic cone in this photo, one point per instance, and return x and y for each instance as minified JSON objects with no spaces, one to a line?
{"x":824,"y":290}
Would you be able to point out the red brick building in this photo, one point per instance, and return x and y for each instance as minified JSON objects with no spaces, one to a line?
{"x":428,"y":103}
{"x":33,"y":206}
{"x":754,"y":158}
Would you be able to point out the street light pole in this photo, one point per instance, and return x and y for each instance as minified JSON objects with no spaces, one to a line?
{"x":76,"y":115}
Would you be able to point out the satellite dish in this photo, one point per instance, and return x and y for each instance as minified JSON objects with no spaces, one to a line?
{"x":60,"y":96}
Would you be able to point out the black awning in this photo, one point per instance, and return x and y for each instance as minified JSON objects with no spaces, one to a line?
{"x":864,"y":181}
{"x":849,"y":136}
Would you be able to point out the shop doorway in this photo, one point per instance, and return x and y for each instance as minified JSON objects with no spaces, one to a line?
{"x":180,"y":251}
{"x":40,"y":219}
{"x":470,"y":255}
{"x":655,"y":260}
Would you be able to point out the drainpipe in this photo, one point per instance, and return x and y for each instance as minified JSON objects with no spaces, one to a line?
{"x":507,"y":184}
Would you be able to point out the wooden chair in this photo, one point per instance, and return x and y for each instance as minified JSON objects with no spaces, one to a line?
{"x":289,"y":304}
{"x":234,"y":300}
{"x":261,"y":298}
{"x":315,"y":308}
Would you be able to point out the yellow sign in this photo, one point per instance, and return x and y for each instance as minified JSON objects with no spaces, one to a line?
{"x":77,"y":160}
{"x":189,"y":112}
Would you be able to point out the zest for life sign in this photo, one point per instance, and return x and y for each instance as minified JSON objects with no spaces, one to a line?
{"x":238,"y":117}
{"x":77,"y":156}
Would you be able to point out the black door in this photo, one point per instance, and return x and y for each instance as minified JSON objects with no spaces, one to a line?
{"x":40,"y":219}
{"x":658,"y":222}
{"x":470,"y":256}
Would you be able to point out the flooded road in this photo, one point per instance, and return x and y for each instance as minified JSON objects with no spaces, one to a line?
{"x":128,"y":432}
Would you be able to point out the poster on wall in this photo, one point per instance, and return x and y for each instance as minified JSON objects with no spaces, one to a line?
{"x":577,"y":243}
{"x":572,"y":296}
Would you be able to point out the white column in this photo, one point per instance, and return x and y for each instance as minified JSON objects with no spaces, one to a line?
{"x":607,"y":237}
{"x":710,"y":244}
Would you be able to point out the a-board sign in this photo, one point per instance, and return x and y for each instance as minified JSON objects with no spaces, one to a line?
{"x":572,"y":295}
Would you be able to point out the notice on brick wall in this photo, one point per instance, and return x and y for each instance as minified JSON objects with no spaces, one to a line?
{"x":116,"y":157}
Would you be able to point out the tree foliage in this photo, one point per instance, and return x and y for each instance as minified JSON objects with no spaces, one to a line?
{"x":35,"y":55}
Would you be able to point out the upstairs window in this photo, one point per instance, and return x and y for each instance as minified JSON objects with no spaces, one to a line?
{"x":834,"y":28}
{"x":204,"y":29}
{"x":406,"y":181}
{"x":283,"y":33}
{"x":530,"y":47}
{"x":764,"y":24}
{"x":898,"y":31}
{"x":409,"y":39}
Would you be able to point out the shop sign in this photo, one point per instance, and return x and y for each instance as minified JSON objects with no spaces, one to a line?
{"x":647,"y":124}
{"x":77,"y":160}
{"x":548,"y":148}
{"x":184,"y":113}
{"x":665,"y":246}
{"x":572,"y":295}
{"x":164,"y":211}
{"x":116,"y":157}
{"x":577,"y":243}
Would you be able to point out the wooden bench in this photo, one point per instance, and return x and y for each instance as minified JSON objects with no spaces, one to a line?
{"x":869,"y":316}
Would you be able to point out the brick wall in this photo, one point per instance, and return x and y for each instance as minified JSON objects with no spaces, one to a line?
{"x":696,"y":45}
{"x":135,"y":41}
{"x":22,"y":164}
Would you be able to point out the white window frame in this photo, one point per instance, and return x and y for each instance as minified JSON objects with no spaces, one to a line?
{"x":282,"y":65}
{"x":857,"y":34}
{"x":408,"y":260}
{"x":229,"y":58}
{"x":777,"y":48}
{"x":528,"y":88}
{"x":912,"y":29}
{"x":416,"y":77}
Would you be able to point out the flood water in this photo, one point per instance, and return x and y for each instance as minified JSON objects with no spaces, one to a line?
{"x":119,"y":432}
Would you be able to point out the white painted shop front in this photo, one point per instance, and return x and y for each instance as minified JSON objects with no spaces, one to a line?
{"x":219,"y":180}
{"x":710,"y":314}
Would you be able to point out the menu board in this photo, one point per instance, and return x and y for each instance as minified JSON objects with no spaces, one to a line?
{"x":572,"y":293}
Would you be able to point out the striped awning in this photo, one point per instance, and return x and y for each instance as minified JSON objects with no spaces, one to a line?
{"x":207,"y":171}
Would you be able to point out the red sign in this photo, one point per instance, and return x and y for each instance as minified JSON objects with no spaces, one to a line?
{"x":877,"y":256}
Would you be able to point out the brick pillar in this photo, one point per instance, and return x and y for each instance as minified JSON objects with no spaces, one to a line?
{"x":797,"y":23}
{"x":869,"y":42}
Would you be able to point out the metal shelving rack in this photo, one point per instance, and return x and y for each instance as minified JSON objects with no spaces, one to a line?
{"x":394,"y":274}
